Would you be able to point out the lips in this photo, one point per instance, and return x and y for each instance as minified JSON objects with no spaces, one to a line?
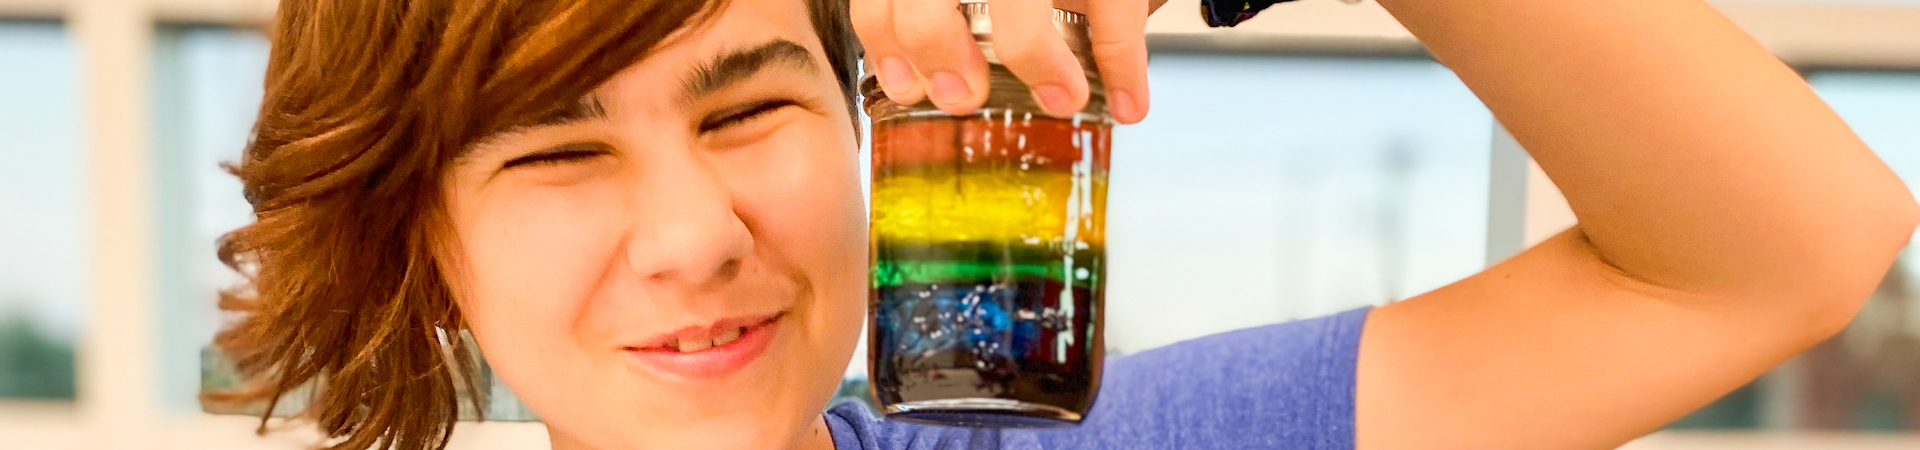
{"x":705,"y":352}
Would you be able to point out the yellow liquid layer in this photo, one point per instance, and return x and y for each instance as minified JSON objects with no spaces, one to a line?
{"x":1006,"y":205}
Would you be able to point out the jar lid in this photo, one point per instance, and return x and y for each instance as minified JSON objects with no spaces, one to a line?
{"x":1072,"y":26}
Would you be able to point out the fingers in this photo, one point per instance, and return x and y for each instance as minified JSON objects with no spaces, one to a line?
{"x":873,"y":21}
{"x":1120,"y":50}
{"x":935,"y":40}
{"x":922,"y":49}
{"x":1026,"y":42}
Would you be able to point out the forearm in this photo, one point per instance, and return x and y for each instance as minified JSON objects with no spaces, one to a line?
{"x":1693,"y":159}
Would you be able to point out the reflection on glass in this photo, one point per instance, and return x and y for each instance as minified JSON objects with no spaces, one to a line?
{"x":42,"y":212}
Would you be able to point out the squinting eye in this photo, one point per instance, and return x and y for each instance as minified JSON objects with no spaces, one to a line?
{"x":563,"y":154}
{"x":735,"y":116}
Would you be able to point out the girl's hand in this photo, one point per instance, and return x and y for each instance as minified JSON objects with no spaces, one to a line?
{"x":921,"y":48}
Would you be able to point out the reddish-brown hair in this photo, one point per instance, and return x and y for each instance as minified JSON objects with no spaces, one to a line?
{"x":366,"y":102}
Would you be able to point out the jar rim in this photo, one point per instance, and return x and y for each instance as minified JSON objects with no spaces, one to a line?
{"x":1072,"y":27}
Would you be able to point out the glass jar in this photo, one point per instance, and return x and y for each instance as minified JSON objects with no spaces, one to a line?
{"x":988,"y":260}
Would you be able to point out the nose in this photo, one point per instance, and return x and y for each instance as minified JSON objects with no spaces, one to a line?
{"x":687,"y":232}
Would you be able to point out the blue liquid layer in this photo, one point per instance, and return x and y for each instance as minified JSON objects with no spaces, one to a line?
{"x":1035,"y":341}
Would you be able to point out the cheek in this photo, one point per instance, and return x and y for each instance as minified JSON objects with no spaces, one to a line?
{"x":526,"y":250}
{"x":531,"y":260}
{"x":801,"y":195}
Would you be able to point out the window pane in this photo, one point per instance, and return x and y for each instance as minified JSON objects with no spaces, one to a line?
{"x":207,"y":90}
{"x":42,"y":212}
{"x":1266,"y":188}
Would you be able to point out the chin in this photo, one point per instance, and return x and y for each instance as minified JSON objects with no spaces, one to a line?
{"x":764,"y":433}
{"x":768,"y":426}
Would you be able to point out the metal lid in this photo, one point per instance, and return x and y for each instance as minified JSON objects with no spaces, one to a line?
{"x":1071,"y":25}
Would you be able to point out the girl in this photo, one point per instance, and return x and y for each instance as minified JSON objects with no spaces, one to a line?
{"x":648,"y":215}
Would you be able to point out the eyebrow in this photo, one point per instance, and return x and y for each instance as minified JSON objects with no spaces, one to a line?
{"x":737,"y":66}
{"x":584,"y":109}
{"x":723,"y":71}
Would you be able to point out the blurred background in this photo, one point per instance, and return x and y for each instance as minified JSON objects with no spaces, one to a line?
{"x":1313,"y":160}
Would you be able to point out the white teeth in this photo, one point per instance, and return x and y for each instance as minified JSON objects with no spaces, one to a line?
{"x":726,"y":337}
{"x":694,"y":345}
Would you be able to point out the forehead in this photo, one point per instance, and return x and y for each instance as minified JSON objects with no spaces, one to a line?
{"x":737,"y":25}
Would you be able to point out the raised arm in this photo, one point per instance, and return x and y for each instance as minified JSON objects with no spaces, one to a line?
{"x":1727,"y":220}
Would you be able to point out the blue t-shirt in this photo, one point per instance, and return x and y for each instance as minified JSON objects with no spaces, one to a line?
{"x":1282,"y":386}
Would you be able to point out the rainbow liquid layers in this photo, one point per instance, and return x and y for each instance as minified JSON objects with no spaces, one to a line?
{"x":988,"y":236}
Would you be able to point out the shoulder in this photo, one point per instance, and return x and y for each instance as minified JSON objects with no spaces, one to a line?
{"x":1286,"y":385}
{"x":1321,"y":347}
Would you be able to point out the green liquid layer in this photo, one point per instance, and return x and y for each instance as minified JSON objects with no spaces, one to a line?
{"x":936,"y":263}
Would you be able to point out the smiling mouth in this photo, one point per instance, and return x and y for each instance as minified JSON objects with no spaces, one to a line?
{"x":713,"y":352}
{"x":718,"y":335}
{"x":694,"y":345}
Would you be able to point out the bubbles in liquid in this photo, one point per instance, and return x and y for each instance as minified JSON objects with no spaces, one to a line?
{"x":988,"y":244}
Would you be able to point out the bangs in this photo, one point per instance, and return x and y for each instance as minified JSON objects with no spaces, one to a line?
{"x":553,"y":53}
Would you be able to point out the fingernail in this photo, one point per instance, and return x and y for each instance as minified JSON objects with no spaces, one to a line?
{"x":948,"y":88}
{"x":1120,"y":104}
{"x":895,"y":75}
{"x":1054,"y":98}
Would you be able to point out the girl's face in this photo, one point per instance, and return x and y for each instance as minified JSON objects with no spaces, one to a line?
{"x":678,"y":262}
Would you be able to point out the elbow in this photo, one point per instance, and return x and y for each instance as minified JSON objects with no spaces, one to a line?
{"x":1878,"y":237}
{"x":1905,"y":216}
{"x":1893,"y":227}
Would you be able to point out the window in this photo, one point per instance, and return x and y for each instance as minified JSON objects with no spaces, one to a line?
{"x":207,"y":87}
{"x":43,"y":212}
{"x":1266,"y":188}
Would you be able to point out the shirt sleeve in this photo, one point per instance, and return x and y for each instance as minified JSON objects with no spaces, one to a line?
{"x":1287,"y":385}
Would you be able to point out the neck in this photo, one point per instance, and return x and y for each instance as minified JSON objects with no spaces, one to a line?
{"x":816,"y":437}
{"x":562,"y":441}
